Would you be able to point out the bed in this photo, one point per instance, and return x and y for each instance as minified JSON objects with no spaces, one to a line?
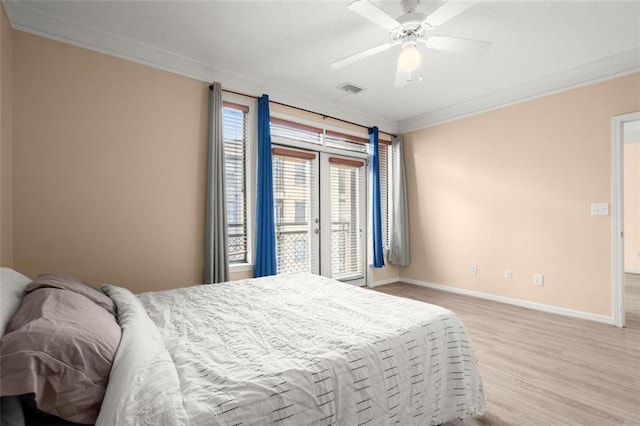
{"x":286,"y":350}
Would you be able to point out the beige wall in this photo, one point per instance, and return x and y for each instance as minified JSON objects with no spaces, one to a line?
{"x":386,"y":274}
{"x":511,"y":189}
{"x":108,"y":181}
{"x":109,"y":167}
{"x":6,"y":143}
{"x":631,"y":167}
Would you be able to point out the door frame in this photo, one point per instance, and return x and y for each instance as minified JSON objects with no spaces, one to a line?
{"x":314,"y":206}
{"x":322,"y":152}
{"x":325,"y":217}
{"x":617,"y":181}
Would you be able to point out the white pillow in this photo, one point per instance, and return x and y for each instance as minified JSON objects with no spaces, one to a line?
{"x":12,"y":286}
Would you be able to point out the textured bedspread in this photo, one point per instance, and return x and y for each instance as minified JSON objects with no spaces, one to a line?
{"x":301,"y":349}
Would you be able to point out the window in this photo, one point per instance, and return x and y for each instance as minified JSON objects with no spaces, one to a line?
{"x":301,"y":135}
{"x":359,"y":144}
{"x":235,"y":160}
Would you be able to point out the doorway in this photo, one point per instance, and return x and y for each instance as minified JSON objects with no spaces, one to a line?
{"x":320,"y":213}
{"x":626,"y":219}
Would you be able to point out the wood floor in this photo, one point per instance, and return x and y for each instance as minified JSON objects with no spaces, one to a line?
{"x":632,"y":302}
{"x":546,"y":369}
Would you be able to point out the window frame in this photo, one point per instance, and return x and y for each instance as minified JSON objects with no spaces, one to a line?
{"x":251,"y":163}
{"x":357,"y":138}
{"x":230,"y":100}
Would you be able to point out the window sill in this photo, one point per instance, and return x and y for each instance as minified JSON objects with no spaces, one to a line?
{"x":241,"y":267}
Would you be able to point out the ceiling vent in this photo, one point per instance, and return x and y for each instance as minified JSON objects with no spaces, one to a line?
{"x":350,"y":88}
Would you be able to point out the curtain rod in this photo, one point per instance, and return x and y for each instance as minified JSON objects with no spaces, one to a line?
{"x":324,"y":116}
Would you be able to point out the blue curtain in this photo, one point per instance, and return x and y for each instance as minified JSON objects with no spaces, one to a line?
{"x":265,"y":262}
{"x":374,"y":166}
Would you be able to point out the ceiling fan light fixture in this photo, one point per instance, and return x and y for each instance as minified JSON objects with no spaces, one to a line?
{"x":409,"y":59}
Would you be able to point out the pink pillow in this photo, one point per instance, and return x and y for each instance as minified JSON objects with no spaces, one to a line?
{"x":60,"y":346}
{"x":67,"y":282}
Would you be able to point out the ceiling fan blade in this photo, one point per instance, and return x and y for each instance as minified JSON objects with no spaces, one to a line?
{"x":403,"y":77}
{"x":447,"y":11}
{"x":458,"y":45}
{"x":373,"y":13}
{"x":361,"y":55}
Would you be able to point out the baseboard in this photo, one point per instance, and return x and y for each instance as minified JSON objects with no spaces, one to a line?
{"x":383,"y":282}
{"x":632,"y":271}
{"x":517,"y":302}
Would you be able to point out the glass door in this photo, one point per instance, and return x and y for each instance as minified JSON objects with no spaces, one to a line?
{"x":295,"y":196}
{"x":343,"y":216}
{"x":320,"y":214}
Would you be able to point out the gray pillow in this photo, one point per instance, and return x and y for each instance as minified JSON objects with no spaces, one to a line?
{"x":12,"y":285}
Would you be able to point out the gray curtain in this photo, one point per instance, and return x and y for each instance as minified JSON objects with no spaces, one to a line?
{"x":398,"y":214}
{"x":216,"y":266}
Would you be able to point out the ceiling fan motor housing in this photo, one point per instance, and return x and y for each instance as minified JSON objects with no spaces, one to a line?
{"x":412,"y":26}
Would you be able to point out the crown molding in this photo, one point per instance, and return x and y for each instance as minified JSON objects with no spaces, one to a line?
{"x":36,"y":21}
{"x":613,"y":66}
{"x":33,"y":20}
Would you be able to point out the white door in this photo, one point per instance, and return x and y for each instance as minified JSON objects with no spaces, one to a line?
{"x":320,"y":214}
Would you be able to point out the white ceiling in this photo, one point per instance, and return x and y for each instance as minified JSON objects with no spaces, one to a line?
{"x":284,"y":48}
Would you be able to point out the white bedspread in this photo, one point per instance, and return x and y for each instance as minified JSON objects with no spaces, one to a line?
{"x":143,"y":384}
{"x":301,"y":349}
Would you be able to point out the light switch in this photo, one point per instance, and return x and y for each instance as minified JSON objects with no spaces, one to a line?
{"x":599,"y":209}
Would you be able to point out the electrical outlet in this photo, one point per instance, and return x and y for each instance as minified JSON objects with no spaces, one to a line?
{"x":474,"y":270}
{"x":638,"y":255}
{"x":538,"y":279}
{"x":507,"y":275}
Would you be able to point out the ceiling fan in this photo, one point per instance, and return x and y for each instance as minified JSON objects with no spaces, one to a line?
{"x":411,"y":29}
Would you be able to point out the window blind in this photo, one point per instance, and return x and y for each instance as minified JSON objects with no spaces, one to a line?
{"x":346,"y":213}
{"x":344,"y":141}
{"x":235,"y":160}
{"x":284,"y":130}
